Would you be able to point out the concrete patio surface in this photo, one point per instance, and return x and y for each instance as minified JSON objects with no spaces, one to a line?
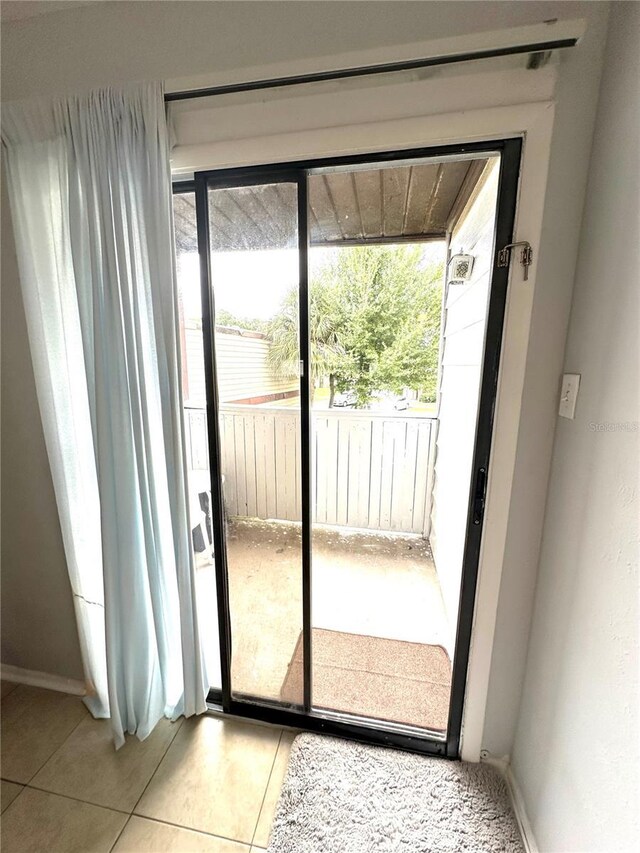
{"x":376,"y":584}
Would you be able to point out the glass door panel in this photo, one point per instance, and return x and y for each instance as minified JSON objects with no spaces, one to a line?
{"x":255,"y":282}
{"x":384,"y":603}
{"x":194,"y":397}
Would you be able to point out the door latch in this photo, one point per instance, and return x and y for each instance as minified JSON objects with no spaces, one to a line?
{"x":526,"y":256}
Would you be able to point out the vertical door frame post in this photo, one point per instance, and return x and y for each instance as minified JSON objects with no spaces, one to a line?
{"x":306,"y":379}
{"x":213,"y":429}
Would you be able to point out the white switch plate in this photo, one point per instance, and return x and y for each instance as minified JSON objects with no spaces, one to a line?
{"x":569,"y":395}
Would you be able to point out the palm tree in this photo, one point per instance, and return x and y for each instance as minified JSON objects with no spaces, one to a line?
{"x":325,"y":349}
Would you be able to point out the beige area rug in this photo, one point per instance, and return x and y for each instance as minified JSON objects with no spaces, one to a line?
{"x":374,"y":677}
{"x":344,"y":797}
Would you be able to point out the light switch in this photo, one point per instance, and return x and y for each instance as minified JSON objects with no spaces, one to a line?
{"x":569,"y":395}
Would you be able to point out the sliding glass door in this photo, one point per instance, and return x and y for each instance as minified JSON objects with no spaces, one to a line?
{"x":255,"y":285}
{"x":342,"y":597}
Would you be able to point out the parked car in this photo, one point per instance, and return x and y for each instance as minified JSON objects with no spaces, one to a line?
{"x":345,"y":400}
{"x":386,"y":401}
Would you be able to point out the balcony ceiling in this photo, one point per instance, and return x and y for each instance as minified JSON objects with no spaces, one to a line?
{"x":400,"y":204}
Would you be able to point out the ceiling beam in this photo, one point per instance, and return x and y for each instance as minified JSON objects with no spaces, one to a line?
{"x":383,"y":240}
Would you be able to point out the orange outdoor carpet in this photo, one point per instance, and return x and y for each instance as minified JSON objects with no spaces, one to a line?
{"x":374,"y":677}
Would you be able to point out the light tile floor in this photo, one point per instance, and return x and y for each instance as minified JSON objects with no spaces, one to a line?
{"x":204,"y":784}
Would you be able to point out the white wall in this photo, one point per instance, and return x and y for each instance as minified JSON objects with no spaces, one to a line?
{"x":554,"y":260}
{"x":576,"y":756}
{"x":464,"y":319}
{"x":106,"y":43}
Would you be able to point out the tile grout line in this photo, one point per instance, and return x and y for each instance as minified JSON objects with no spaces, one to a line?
{"x":190,"y":829}
{"x":89,"y":802}
{"x":127,"y":814}
{"x":157,"y":767}
{"x":10,"y":692}
{"x":75,"y":799}
{"x":131,"y":813}
{"x":264,"y":796}
{"x":119,"y":836}
{"x":13,"y":801}
{"x":55,"y":751}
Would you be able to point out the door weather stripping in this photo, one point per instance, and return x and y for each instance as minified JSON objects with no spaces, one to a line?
{"x":526,"y":256}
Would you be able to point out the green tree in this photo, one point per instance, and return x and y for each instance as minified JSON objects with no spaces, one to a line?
{"x":253,"y":324}
{"x":374,"y":323}
{"x":388,"y":305}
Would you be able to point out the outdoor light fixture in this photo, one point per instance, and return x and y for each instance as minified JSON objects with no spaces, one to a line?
{"x":460,"y":267}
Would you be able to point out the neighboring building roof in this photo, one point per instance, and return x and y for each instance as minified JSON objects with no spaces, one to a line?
{"x":245,"y":333}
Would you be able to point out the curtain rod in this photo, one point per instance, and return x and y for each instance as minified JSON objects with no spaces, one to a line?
{"x":366,"y":70}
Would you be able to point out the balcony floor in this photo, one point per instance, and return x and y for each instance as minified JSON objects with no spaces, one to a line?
{"x":372,"y":584}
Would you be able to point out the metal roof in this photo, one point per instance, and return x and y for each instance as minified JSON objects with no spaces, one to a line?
{"x":406,"y":203}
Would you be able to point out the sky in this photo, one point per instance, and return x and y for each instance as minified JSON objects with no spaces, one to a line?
{"x":255,"y":283}
{"x":247,"y":284}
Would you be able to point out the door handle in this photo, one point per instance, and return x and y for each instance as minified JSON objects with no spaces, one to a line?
{"x":479,"y":495}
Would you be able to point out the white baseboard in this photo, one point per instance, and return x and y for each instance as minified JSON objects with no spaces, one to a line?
{"x":517,"y":800}
{"x":42,"y":679}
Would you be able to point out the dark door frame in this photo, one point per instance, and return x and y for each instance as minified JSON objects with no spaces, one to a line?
{"x":304,"y":717}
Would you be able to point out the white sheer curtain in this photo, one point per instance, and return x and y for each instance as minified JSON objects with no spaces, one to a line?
{"x":90,"y":191}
